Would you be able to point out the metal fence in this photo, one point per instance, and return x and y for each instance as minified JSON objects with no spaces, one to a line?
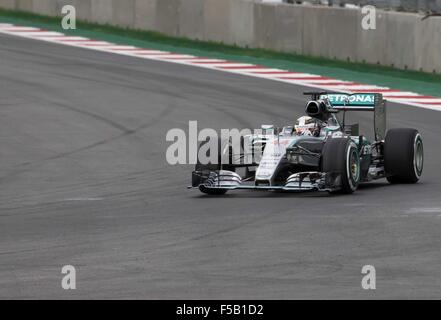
{"x":398,"y":5}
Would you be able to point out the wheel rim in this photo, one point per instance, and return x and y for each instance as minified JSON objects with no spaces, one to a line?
{"x":418,"y":160}
{"x":354,"y":166}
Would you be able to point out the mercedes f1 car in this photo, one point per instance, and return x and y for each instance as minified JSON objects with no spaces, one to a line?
{"x":328,"y":155}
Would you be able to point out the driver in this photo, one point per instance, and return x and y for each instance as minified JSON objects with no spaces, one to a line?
{"x":307,"y":126}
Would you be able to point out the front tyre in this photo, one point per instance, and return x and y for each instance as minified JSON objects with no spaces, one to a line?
{"x":223,"y":150}
{"x":340,"y":155}
{"x":403,"y":155}
{"x":212,"y":191}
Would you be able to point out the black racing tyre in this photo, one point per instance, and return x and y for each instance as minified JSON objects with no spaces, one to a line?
{"x":214,"y":192}
{"x":222,"y":152}
{"x":340,"y":155}
{"x":403,"y":155}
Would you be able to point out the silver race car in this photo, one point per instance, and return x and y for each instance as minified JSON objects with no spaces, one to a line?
{"x":320,"y":152}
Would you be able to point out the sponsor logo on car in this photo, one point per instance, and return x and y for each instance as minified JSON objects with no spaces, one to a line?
{"x":345,"y":99}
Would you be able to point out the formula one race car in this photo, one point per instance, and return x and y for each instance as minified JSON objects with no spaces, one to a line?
{"x":319,"y":153}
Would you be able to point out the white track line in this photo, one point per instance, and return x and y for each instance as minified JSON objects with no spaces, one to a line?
{"x":248,"y":69}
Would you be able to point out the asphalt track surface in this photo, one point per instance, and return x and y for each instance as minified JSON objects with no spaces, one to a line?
{"x":84,"y":181}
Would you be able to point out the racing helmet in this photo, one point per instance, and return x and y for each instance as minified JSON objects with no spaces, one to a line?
{"x":305,"y":126}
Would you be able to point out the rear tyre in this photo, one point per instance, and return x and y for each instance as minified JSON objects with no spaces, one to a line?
{"x":403,"y":155}
{"x":340,"y":155}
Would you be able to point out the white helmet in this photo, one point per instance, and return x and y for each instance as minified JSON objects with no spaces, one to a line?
{"x":305,"y":126}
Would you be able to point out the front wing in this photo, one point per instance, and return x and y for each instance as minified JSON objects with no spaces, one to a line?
{"x":298,"y":182}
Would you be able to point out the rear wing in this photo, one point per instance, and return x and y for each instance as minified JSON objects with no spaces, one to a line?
{"x":358,"y":102}
{"x":354,"y":102}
